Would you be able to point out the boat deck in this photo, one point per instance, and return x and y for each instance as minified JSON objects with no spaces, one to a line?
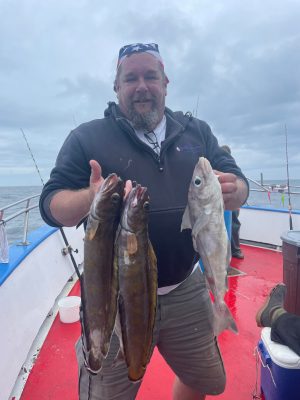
{"x":54,"y":375}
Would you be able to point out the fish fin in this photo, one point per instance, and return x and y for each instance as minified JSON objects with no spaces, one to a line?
{"x":132,"y":244}
{"x":94,"y":364}
{"x":91,"y":228}
{"x":120,"y":358}
{"x":223,"y":318}
{"x":200,"y":223}
{"x":151,"y":254}
{"x":135,"y":375}
{"x":186,"y":221}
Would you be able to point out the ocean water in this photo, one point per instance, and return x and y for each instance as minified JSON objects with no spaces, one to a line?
{"x":15,"y":227}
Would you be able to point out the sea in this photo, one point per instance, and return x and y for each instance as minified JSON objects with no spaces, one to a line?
{"x":15,"y":227}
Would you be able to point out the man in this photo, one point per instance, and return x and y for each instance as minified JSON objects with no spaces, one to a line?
{"x":142,"y":140}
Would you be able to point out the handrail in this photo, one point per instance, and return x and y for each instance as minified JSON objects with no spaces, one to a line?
{"x":265,"y":187}
{"x":19,"y":202}
{"x":24,"y":211}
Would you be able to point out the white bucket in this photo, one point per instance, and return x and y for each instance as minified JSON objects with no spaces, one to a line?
{"x":68,"y":308}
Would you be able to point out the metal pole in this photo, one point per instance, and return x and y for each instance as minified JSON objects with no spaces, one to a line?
{"x":26,"y":218}
{"x":288,"y":180}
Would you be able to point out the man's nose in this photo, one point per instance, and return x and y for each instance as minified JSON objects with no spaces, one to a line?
{"x":142,"y":85}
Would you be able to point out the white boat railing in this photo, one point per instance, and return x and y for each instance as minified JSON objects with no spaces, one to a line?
{"x":263,"y":187}
{"x":28,"y":206}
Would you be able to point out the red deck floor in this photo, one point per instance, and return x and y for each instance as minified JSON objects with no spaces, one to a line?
{"x":54,"y":375}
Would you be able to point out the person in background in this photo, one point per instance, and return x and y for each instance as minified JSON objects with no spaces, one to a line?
{"x":285,"y":327}
{"x":235,"y":226}
{"x":142,"y":140}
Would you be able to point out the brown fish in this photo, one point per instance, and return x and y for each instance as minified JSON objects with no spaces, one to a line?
{"x":137,"y":284}
{"x":204,"y":214}
{"x":100,"y":282}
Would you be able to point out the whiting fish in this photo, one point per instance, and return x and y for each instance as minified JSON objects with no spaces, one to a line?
{"x":100,"y":278}
{"x":204,"y":214}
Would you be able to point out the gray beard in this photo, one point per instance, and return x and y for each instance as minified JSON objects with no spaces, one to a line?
{"x":147,"y":121}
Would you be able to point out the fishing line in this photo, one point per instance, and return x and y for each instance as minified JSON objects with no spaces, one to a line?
{"x":68,"y":246}
{"x":288,"y":179}
{"x":36,"y":167}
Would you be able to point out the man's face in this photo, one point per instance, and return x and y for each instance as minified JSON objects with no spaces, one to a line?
{"x":141,"y":88}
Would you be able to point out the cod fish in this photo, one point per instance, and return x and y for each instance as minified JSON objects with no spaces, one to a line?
{"x":204,"y":214}
{"x":100,"y":278}
{"x":137,"y":285}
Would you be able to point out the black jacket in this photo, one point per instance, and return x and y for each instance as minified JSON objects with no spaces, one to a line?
{"x":113,"y":143}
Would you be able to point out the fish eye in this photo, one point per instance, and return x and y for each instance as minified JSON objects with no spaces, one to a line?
{"x":197,"y":181}
{"x":146,"y":205}
{"x":115,"y":197}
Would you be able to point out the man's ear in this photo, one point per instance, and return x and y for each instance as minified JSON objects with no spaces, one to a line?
{"x":166,"y":84}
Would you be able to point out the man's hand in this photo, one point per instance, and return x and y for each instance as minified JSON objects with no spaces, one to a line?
{"x":69,"y":207}
{"x":234,"y":190}
{"x":96,"y":180}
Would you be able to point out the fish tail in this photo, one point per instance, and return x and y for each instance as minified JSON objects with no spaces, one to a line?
{"x":223,"y":319}
{"x":94,"y":365}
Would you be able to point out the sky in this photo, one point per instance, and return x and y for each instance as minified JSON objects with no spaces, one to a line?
{"x":234,"y":64}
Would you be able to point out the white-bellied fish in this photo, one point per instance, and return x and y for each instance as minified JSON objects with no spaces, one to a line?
{"x":204,"y":214}
{"x":100,"y":277}
{"x":137,"y":284}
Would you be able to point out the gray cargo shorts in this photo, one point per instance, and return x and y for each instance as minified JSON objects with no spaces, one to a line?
{"x":184,"y":336}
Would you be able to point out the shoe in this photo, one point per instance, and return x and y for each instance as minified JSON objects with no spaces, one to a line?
{"x":238,"y":254}
{"x":274,"y":301}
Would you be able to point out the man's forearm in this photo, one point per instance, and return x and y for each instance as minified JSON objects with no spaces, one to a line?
{"x":69,"y":207}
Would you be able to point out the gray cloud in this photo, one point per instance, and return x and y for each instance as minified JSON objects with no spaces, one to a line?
{"x":234,"y":64}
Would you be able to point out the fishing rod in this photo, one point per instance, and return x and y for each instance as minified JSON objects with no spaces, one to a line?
{"x":288,"y":179}
{"x":69,"y":248}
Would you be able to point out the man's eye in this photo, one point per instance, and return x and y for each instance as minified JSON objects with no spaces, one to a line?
{"x":130,"y":79}
{"x":151,"y":77}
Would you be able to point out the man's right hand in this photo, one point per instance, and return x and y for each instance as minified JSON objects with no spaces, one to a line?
{"x":69,"y":207}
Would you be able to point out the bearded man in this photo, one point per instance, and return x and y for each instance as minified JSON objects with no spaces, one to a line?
{"x":141,"y":140}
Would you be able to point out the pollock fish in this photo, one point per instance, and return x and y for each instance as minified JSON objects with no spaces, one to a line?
{"x":137,"y":285}
{"x":204,"y":214}
{"x":100,"y":277}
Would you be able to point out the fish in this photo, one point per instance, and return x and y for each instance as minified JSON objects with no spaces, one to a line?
{"x":137,"y":266}
{"x":100,"y":274}
{"x":204,"y":214}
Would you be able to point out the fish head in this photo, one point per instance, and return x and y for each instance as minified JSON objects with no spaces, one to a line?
{"x":136,"y":208}
{"x":108,"y":199}
{"x":204,"y":186}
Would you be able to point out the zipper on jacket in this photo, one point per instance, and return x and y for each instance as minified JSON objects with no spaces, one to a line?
{"x":139,"y":142}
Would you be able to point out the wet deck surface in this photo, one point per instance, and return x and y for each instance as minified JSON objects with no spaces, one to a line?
{"x":54,"y":375}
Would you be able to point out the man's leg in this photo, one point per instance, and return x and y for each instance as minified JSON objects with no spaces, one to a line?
{"x":111,"y":383}
{"x":235,"y":236}
{"x":285,"y":327}
{"x":187,"y":342}
{"x":286,"y":330}
{"x":272,"y":307}
{"x":181,"y":391}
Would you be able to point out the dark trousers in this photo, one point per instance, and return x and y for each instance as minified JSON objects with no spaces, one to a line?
{"x":286,"y":330}
{"x":235,"y":232}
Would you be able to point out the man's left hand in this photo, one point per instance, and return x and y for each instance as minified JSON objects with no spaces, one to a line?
{"x":234,"y":190}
